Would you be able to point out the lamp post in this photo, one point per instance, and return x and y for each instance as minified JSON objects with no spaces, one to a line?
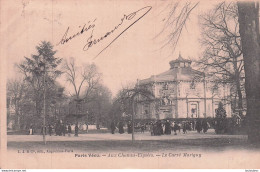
{"x":99,"y":108}
{"x":44,"y":106}
{"x":133,"y":125}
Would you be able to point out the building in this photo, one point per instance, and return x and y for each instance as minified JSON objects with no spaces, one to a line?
{"x":182,"y":92}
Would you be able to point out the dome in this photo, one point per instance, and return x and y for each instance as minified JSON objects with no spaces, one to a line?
{"x":180,"y":62}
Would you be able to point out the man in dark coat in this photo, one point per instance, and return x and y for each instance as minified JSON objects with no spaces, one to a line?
{"x":167,"y":127}
{"x":159,"y":129}
{"x":204,"y":126}
{"x":175,"y":128}
{"x":63,"y":129}
{"x":155,"y":130}
{"x":121,"y":127}
{"x":113,"y":127}
{"x":198,"y":126}
{"x":129,"y":127}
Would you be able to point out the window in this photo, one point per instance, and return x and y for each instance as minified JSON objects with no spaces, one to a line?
{"x":166,"y":86}
{"x":192,"y":85}
{"x":215,"y":88}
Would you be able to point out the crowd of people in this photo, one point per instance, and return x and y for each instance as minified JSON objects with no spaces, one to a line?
{"x":57,"y":129}
{"x":161,"y":127}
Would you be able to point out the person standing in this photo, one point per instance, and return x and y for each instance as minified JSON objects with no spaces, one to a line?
{"x":113,"y":127}
{"x":63,"y":128}
{"x":179,"y":127}
{"x":69,"y":130}
{"x":175,"y":128}
{"x":193,"y":125}
{"x":198,"y":126}
{"x":121,"y":127}
{"x":143,"y":126}
{"x":159,"y":128}
{"x":50,"y":129}
{"x":76,"y":130}
{"x":31,"y":130}
{"x":167,"y":127}
{"x":184,"y":127}
{"x":129,"y":127}
{"x":204,"y":126}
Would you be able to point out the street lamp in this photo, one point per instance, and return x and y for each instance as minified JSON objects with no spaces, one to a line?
{"x":99,"y":109}
{"x":44,"y":106}
{"x":133,"y":125}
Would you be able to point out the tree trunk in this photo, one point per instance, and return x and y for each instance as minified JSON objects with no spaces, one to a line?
{"x":248,"y":28}
{"x":240,"y":97}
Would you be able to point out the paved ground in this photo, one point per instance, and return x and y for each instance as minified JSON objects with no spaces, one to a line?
{"x":123,"y":142}
{"x":125,"y":136}
{"x":118,"y":151}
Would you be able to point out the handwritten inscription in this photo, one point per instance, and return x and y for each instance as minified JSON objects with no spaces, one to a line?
{"x":65,"y":38}
{"x":126,"y":22}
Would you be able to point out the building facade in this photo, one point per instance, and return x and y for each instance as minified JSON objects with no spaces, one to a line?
{"x":182,"y":92}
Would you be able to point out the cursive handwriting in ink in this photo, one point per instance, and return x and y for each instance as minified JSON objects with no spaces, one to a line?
{"x":85,"y":28}
{"x":134,"y":17}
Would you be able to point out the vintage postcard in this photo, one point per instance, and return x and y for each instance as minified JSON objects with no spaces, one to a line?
{"x":139,"y":84}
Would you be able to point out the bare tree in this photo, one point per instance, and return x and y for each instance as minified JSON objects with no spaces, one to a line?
{"x":84,"y":80}
{"x":176,"y":21}
{"x":250,"y":38}
{"x":222,"y":57}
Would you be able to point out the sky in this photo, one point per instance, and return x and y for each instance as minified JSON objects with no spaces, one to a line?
{"x":135,"y":54}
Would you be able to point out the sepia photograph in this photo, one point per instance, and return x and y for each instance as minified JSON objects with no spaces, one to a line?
{"x":131,"y":84}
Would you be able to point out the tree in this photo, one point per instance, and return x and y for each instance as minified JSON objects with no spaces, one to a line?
{"x":98,"y":104}
{"x":15,"y":94}
{"x":250,"y":37}
{"x":130,"y":97}
{"x":176,"y":21}
{"x":84,"y":78}
{"x":222,"y":57}
{"x":44,"y":63}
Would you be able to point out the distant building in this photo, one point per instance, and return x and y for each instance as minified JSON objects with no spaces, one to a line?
{"x":182,"y":92}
